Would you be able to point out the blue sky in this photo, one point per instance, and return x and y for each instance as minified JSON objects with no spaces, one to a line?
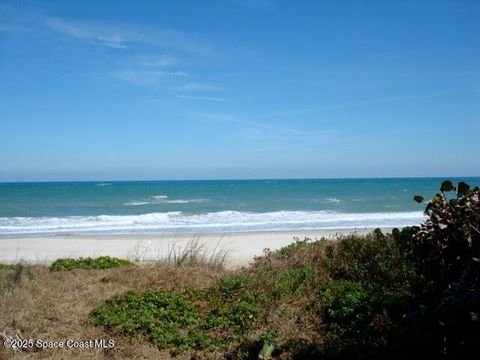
{"x":238,"y":89}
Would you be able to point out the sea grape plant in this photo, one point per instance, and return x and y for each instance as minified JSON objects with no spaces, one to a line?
{"x":449,"y":244}
{"x":451,"y":236}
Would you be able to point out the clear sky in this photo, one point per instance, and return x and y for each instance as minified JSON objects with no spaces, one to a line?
{"x":238,"y":89}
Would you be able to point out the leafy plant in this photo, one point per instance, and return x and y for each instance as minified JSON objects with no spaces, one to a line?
{"x":448,"y":246}
{"x":235,"y":304}
{"x":451,"y":237}
{"x":291,"y":281}
{"x":11,"y":266}
{"x":103,"y":262}
{"x":295,"y":246}
{"x":195,"y":319}
{"x":155,"y":314}
{"x":370,"y":282}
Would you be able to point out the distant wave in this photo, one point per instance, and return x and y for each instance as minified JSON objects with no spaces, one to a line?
{"x":333,"y":200}
{"x":103,"y":184}
{"x":162,"y":199}
{"x":137,"y":203}
{"x":159,"y":197}
{"x":222,"y":221}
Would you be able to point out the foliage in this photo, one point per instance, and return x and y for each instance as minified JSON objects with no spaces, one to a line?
{"x":234,"y":304}
{"x":451,"y":238}
{"x":158,"y":315}
{"x":291,"y":281}
{"x":11,"y":266}
{"x":370,"y":282}
{"x":103,"y":262}
{"x":448,"y":247}
{"x":194,"y":319}
{"x":294,"y":247}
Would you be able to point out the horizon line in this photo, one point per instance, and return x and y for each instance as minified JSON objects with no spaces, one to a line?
{"x":242,"y":179}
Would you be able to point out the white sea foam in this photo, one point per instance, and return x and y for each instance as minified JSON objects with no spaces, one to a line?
{"x":333,"y":200}
{"x":159,"y":197}
{"x":223,"y":221}
{"x":137,"y":203}
{"x":162,"y":199}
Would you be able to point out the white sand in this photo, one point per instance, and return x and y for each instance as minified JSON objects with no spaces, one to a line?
{"x":241,"y":247}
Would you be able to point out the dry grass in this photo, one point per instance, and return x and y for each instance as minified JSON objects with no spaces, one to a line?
{"x":55,"y":306}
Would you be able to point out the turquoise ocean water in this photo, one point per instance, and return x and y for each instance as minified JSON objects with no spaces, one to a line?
{"x":195,"y":207}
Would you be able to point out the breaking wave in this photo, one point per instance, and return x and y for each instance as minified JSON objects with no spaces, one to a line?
{"x":162,"y":199}
{"x":211,"y":222}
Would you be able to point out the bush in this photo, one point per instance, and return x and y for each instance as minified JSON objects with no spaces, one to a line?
{"x":291,"y":281}
{"x":234,"y":305}
{"x":370,"y":283}
{"x":450,"y":238}
{"x":103,"y":262}
{"x":448,"y":249}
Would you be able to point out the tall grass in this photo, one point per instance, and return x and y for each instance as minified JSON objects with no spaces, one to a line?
{"x":179,"y":253}
{"x":195,"y":253}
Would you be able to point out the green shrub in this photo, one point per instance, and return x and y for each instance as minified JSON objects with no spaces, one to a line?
{"x":370,"y":284}
{"x":230,"y":286}
{"x":234,"y":304}
{"x":103,"y":262}
{"x":447,"y":247}
{"x":294,"y":247}
{"x":291,"y":281}
{"x":374,"y":258}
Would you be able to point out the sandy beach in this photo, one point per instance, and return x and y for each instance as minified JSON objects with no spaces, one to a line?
{"x":241,"y":247}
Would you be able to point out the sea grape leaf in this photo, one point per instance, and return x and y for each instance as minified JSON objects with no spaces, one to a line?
{"x":418,"y":198}
{"x":462,"y":188}
{"x":453,"y":202}
{"x":446,"y":186}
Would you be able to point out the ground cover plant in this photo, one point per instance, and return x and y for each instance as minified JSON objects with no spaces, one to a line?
{"x":102,"y":262}
{"x":10,"y":266}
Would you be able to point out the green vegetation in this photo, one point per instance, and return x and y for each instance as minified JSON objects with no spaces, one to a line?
{"x":341,"y":289}
{"x":103,"y":262}
{"x":156,"y":314}
{"x":193,"y":319}
{"x":447,"y":247}
{"x":11,"y":266}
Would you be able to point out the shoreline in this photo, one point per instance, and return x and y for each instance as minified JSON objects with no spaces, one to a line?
{"x":241,"y":247}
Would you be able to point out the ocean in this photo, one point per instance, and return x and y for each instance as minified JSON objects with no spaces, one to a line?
{"x":217,"y":206}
